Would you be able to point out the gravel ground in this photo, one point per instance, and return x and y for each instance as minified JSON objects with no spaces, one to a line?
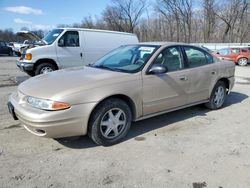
{"x":194,"y":147}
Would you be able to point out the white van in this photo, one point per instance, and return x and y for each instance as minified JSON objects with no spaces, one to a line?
{"x":71,"y":47}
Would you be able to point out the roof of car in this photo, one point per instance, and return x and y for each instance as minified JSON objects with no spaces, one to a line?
{"x":96,"y":30}
{"x":166,"y":43}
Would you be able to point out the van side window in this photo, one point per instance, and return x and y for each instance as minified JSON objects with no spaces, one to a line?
{"x":71,"y":39}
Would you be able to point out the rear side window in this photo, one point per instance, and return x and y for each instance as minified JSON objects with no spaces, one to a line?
{"x":71,"y":39}
{"x":224,"y":51}
{"x":196,"y":57}
{"x":2,"y":44}
{"x":236,"y":51}
{"x":210,"y":59}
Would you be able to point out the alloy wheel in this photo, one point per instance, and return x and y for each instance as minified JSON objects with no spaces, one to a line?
{"x":113,"y":123}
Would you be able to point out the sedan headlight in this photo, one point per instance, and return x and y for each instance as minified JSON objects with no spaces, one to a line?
{"x":46,"y":104}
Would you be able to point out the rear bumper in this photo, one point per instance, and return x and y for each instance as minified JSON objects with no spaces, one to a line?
{"x":25,"y":67}
{"x":52,"y":124}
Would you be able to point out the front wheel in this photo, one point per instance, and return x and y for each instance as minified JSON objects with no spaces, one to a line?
{"x":44,"y":68}
{"x":242,"y":61}
{"x":110,"y":122}
{"x":218,"y":96}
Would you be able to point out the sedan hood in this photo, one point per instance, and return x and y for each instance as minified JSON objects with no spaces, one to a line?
{"x":56,"y":84}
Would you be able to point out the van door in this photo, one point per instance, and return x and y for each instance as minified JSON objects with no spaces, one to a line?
{"x":69,"y":50}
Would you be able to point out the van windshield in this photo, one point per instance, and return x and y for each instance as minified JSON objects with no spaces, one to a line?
{"x":52,"y":35}
{"x":129,"y":59}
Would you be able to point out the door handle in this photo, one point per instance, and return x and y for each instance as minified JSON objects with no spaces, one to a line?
{"x":213,"y":72}
{"x":184,"y":78}
{"x":81,"y":55}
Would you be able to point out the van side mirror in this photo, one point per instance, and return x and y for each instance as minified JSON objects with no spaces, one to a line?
{"x":61,"y":42}
{"x":158,"y":69}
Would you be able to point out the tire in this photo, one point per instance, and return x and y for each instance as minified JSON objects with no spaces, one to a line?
{"x":11,"y":53}
{"x":44,"y":68}
{"x":106,"y":129}
{"x":18,"y":54}
{"x":219,"y":91}
{"x":242,"y":61}
{"x":30,"y":73}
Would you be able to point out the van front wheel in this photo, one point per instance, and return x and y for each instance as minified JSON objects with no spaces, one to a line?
{"x":44,"y":68}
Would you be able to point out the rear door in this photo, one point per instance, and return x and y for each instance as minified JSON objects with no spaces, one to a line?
{"x":203,"y":73}
{"x":69,"y":49}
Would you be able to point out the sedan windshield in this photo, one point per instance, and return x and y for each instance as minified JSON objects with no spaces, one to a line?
{"x":130,"y":59}
{"x":52,"y":35}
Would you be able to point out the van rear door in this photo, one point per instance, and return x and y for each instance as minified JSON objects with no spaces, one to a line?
{"x":69,"y":50}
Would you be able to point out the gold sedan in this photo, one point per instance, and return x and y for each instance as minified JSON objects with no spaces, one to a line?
{"x":131,"y":83}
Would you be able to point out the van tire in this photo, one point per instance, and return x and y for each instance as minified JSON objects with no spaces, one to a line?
{"x":44,"y":68}
{"x":30,"y":73}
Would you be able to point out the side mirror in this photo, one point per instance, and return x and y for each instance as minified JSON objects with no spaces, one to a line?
{"x":61,"y":42}
{"x":158,"y":69}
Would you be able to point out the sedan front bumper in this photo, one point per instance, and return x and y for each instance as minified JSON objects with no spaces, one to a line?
{"x":52,"y":124}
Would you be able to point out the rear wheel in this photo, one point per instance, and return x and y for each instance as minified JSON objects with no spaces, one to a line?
{"x":110,"y":122}
{"x":242,"y":61}
{"x":11,"y":53}
{"x":218,"y":96}
{"x":44,"y":68}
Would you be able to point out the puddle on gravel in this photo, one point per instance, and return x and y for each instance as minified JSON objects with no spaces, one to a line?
{"x":199,"y":185}
{"x":140,"y":138}
{"x":242,"y":80}
{"x":13,"y":126}
{"x":11,"y":81}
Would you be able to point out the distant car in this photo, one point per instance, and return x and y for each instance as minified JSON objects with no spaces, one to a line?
{"x":240,"y":56}
{"x":15,"y":47}
{"x":4,"y":49}
{"x":131,"y":83}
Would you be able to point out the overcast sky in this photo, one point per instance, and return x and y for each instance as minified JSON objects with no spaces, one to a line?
{"x":46,"y":14}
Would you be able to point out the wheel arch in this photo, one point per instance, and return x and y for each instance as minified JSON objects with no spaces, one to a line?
{"x":226,"y":81}
{"x":45,"y":60}
{"x":123,"y":97}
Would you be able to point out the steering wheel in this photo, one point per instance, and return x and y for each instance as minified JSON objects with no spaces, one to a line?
{"x":139,"y":62}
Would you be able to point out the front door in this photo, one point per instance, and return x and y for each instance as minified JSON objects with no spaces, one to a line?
{"x":70,"y":50}
{"x":169,"y":90}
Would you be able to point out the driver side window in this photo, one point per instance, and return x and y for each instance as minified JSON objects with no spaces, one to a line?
{"x":71,"y":39}
{"x":171,"y":58}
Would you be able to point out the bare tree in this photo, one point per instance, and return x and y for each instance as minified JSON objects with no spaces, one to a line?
{"x":124,"y":15}
{"x":180,"y":12}
{"x":231,"y":16}
{"x":209,"y":19}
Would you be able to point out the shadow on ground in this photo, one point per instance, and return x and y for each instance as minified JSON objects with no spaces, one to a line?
{"x":144,"y":126}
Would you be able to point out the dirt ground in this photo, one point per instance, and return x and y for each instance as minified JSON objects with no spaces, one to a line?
{"x":193,"y":148}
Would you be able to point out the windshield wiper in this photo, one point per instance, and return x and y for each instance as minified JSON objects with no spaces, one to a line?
{"x":106,"y":67}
